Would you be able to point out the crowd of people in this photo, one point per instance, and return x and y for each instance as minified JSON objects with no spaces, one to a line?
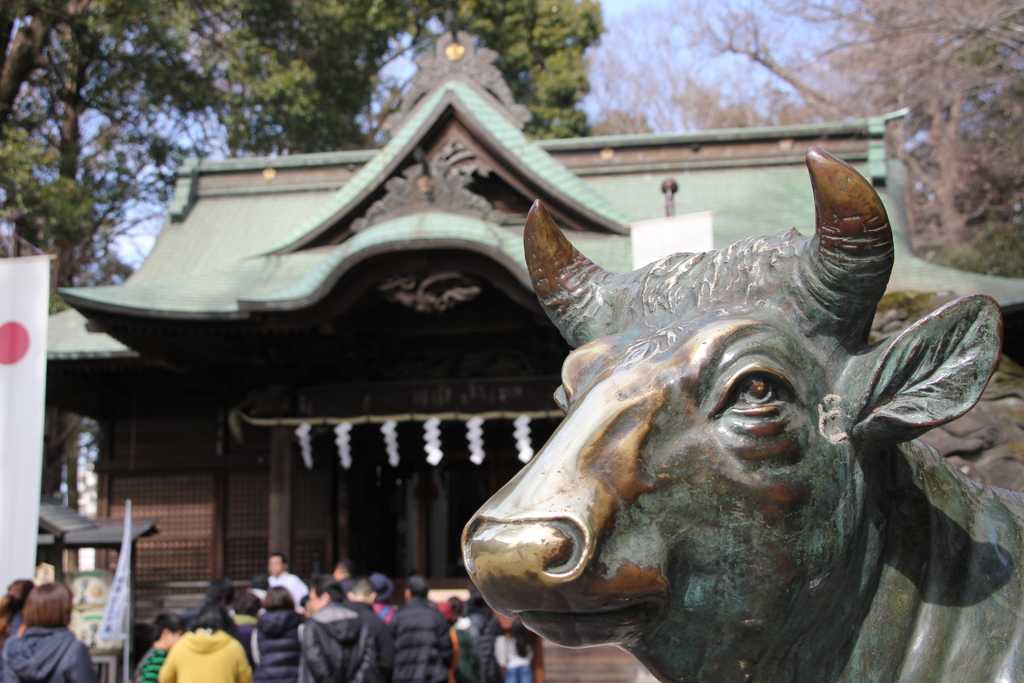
{"x":340,"y":628}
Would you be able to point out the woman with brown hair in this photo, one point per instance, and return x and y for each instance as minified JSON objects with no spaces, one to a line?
{"x":47,"y":652}
{"x":10,"y":613}
{"x":275,"y":641}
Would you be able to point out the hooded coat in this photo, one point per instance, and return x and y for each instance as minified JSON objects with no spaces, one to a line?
{"x":381,"y":633}
{"x":423,"y":646}
{"x":277,"y":647}
{"x":337,"y":648}
{"x":210,"y":657}
{"x":47,"y":655}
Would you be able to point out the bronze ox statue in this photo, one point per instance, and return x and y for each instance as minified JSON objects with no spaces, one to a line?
{"x":733,"y":494}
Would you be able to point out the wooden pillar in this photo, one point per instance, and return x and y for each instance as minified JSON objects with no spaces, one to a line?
{"x":102,"y":510}
{"x":219,"y":495}
{"x":341,"y":506}
{"x":422,"y":515}
{"x":279,"y":536}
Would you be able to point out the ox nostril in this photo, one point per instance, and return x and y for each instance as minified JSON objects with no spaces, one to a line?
{"x":566,"y":555}
{"x":552,"y":546}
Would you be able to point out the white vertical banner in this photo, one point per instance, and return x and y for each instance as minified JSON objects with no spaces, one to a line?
{"x":115,"y":613}
{"x":24,"y":306}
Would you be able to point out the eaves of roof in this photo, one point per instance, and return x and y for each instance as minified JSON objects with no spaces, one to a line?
{"x":295,"y":281}
{"x":68,"y":339}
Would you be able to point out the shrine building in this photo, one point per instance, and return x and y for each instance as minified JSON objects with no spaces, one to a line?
{"x":267,"y":379}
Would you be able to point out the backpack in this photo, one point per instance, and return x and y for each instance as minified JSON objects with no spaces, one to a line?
{"x":470,"y":667}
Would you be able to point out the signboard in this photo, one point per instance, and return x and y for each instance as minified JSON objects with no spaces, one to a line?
{"x":655,"y":239}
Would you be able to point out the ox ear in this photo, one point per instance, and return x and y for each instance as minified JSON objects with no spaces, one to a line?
{"x":931,"y":373}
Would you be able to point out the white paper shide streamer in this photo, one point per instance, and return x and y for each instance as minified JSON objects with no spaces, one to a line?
{"x":305,"y":443}
{"x":390,"y":431}
{"x":343,"y":440}
{"x":522,"y":437}
{"x":475,"y":437}
{"x":432,"y":440}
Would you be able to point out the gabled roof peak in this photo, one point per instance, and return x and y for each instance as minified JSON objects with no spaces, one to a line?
{"x":457,"y":57}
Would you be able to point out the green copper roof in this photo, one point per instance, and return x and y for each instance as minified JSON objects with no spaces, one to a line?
{"x":231,"y":254}
{"x":211,"y":293}
{"x":68,"y":339}
{"x":290,"y":281}
{"x":521,"y":151}
{"x":220,"y":230}
{"x":421,"y":230}
{"x":433,"y":231}
{"x":760,"y":200}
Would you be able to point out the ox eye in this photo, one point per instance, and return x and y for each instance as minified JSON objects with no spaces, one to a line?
{"x":755,"y":393}
{"x":756,"y":390}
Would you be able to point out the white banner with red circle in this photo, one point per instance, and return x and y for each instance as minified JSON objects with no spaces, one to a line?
{"x":24,"y":306}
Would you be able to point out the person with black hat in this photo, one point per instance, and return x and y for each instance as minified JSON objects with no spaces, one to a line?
{"x":383,"y":586}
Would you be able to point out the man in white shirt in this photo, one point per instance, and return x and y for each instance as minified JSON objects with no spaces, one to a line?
{"x":277,"y":567}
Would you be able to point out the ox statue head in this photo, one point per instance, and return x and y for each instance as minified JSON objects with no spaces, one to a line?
{"x":709,"y":501}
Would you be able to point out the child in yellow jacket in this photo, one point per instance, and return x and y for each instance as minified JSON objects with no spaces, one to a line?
{"x":207,"y":654}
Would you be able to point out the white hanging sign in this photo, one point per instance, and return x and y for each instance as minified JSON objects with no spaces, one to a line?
{"x":305,"y":443}
{"x":522,"y":437}
{"x":390,"y":431}
{"x":475,"y":437}
{"x":343,"y":440}
{"x":432,"y":440}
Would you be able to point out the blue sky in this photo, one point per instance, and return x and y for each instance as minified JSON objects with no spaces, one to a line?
{"x":616,"y":8}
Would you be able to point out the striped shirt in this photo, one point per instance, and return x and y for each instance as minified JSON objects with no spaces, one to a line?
{"x":148,"y":670}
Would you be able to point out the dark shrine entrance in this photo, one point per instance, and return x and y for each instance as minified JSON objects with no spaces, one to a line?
{"x":203,"y":435}
{"x":410,"y":518}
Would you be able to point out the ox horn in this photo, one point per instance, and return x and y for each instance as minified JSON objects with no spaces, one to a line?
{"x":852,"y":249}
{"x":571,"y":287}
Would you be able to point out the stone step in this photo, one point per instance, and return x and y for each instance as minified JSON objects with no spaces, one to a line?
{"x":602,"y":664}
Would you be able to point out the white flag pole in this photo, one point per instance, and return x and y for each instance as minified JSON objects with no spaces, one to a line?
{"x":126,"y":545}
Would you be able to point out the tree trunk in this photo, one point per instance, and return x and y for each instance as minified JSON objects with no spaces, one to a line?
{"x":24,"y":55}
{"x":60,"y":444}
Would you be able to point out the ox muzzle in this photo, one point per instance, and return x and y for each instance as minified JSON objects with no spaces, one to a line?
{"x":534,"y":546}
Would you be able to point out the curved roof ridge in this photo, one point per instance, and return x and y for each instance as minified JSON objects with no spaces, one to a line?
{"x":521,"y":153}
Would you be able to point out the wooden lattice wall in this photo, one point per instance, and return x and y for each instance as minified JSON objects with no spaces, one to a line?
{"x":311,"y":520}
{"x":184,"y":507}
{"x":245,"y":537}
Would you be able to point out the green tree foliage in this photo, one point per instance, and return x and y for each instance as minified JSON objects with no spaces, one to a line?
{"x":300,"y":77}
{"x":541,"y":44}
{"x":96,"y":100}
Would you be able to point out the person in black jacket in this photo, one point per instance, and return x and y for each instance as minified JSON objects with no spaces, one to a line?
{"x":360,"y":600}
{"x":275,"y":640}
{"x":423,"y":646}
{"x":336,"y":646}
{"x":47,"y":651}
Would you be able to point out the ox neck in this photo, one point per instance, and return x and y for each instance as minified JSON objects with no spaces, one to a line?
{"x":946,"y":573}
